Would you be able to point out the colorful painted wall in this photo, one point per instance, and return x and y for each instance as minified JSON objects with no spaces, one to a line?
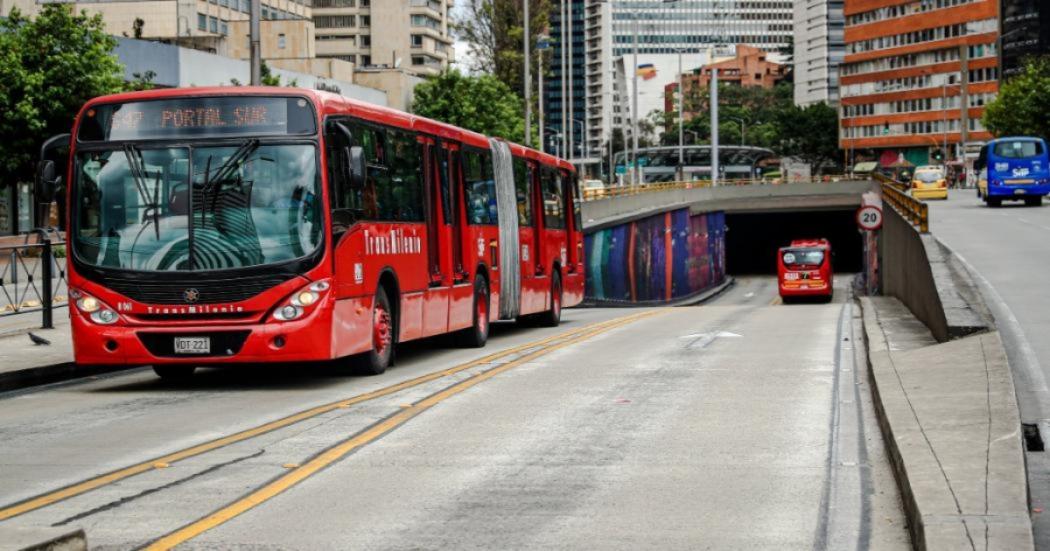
{"x":662,"y":258}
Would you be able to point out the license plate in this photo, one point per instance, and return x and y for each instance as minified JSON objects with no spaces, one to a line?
{"x":1019,"y":192}
{"x":193,"y":345}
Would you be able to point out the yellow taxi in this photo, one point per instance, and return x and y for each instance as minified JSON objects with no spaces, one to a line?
{"x":929,"y":182}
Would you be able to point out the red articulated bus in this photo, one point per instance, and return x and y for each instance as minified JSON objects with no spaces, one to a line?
{"x":804,"y":269}
{"x":212,"y":226}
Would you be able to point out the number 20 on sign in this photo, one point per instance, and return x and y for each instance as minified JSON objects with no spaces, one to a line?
{"x":869,"y":218}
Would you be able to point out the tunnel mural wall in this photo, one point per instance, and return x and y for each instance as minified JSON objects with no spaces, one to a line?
{"x":658,"y":259}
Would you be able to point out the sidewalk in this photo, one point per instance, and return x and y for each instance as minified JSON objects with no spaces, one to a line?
{"x":949,"y":416}
{"x":24,"y":364}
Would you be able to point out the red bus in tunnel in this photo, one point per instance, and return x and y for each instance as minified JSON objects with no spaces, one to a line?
{"x":212,"y":226}
{"x":804,"y":269}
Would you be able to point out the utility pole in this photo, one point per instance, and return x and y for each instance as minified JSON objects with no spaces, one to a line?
{"x":634,"y":103}
{"x":256,"y":54}
{"x":571,"y":99}
{"x":681,"y":133}
{"x":714,"y":126}
{"x":542,"y":43}
{"x":564,"y":87}
{"x":528,"y":81}
{"x":964,"y":101}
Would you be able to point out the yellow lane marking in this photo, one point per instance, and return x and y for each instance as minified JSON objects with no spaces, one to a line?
{"x":776,"y":300}
{"x":338,"y":451}
{"x":90,"y":484}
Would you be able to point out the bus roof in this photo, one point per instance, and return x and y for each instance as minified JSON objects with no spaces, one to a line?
{"x":330,"y":103}
{"x":810,"y":243}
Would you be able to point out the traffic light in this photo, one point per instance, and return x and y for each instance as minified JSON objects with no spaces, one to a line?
{"x":938,"y":155}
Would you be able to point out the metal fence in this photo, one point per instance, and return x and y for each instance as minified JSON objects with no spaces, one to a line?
{"x":610,"y":192}
{"x":33,"y":277}
{"x":913,"y":210}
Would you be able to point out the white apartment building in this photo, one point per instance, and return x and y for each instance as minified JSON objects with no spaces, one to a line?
{"x":819,"y":50}
{"x":413,"y":35}
{"x":663,"y":28}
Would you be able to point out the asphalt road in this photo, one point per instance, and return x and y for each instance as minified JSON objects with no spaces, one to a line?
{"x":1008,"y":248}
{"x":741,"y":423}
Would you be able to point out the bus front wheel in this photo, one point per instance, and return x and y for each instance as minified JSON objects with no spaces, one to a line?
{"x":993,"y":201}
{"x":1034,"y":201}
{"x":376,"y":360}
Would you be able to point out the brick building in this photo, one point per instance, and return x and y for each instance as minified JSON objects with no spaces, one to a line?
{"x":749,"y":67}
{"x":909,"y":69}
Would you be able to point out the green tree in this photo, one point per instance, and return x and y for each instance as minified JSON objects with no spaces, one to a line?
{"x":49,"y":66}
{"x":481,"y":103}
{"x":810,"y":133}
{"x":1022,"y":107}
{"x":494,"y":31}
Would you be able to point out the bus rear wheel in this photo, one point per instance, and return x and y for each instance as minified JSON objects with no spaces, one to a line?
{"x":477,"y":334}
{"x":174,"y":373}
{"x":376,"y":360}
{"x":552,"y":317}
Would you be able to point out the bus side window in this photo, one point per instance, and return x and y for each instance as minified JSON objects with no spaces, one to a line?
{"x":553,"y":200}
{"x":404,"y":196}
{"x":521,"y":189}
{"x":572,"y":192}
{"x":479,"y":181}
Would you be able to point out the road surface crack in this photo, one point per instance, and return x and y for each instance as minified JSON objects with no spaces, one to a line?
{"x":125,"y":500}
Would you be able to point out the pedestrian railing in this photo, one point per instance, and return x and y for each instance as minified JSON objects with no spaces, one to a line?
{"x":33,"y":277}
{"x":912,"y":209}
{"x":611,"y":192}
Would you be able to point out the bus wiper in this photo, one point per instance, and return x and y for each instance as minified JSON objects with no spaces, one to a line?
{"x":213,"y":183}
{"x":138,"y":175}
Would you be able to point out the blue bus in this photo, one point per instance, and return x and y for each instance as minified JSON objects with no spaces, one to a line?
{"x":1013,"y":169}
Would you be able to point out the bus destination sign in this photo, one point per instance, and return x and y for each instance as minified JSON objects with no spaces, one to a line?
{"x":197,"y":117}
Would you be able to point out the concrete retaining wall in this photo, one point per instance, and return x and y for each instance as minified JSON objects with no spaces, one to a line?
{"x":924,"y":275}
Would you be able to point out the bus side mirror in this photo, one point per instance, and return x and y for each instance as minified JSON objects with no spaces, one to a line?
{"x":46,"y":181}
{"x":357,"y":166}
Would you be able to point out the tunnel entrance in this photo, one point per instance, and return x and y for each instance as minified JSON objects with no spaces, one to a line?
{"x":752,"y":239}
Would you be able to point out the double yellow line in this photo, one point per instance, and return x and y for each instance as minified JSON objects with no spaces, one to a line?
{"x":340,"y":450}
{"x":76,"y":489}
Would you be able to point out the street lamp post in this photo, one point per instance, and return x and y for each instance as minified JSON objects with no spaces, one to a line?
{"x":542,"y":44}
{"x":527,"y":46}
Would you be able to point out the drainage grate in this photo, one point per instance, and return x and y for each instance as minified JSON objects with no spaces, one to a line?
{"x":1033,"y":442}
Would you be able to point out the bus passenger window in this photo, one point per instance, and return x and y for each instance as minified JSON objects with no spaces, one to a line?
{"x":404,"y":197}
{"x":553,"y":201}
{"x":479,"y":181}
{"x":521,"y":189}
{"x":572,"y":189}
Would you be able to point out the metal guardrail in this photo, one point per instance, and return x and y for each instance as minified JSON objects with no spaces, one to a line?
{"x":915,"y":211}
{"x":33,"y":278}
{"x":621,"y":191}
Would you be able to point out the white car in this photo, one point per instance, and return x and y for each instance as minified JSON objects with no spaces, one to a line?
{"x":592,"y":188}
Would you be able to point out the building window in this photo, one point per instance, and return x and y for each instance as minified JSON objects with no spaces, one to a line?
{"x":366,"y":20}
{"x":417,"y":41}
{"x":419,"y":60}
{"x":366,"y":60}
{"x":246,"y":6}
{"x":366,"y":41}
{"x":224,"y":28}
{"x":213,"y":24}
{"x":281,"y":41}
{"x":202,"y":22}
{"x":334,"y":21}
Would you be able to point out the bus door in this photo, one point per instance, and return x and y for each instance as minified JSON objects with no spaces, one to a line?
{"x":539,"y":253}
{"x":573,"y":229}
{"x":526,"y":232}
{"x":461,"y":298}
{"x":439,"y":235}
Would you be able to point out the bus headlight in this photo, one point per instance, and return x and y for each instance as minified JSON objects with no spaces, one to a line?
{"x":96,"y":310}
{"x":302,"y":302}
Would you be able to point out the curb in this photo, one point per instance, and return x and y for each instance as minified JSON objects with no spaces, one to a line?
{"x":47,"y":374}
{"x":934,"y":529}
{"x":43,"y":540}
{"x":702,"y":296}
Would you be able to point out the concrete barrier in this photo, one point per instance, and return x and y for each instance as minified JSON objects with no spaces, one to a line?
{"x":929,"y":280}
{"x":42,"y":539}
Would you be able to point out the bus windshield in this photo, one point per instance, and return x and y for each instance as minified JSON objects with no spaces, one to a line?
{"x":803,"y":257}
{"x":1018,"y":149}
{"x":196,"y":208}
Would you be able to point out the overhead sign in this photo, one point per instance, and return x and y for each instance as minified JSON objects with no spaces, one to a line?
{"x":869,"y":217}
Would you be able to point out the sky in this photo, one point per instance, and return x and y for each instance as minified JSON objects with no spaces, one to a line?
{"x":462,"y":49}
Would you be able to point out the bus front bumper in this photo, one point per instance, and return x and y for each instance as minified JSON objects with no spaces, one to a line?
{"x":305,"y":340}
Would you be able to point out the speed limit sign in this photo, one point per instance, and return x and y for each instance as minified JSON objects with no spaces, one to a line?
{"x":869,"y":217}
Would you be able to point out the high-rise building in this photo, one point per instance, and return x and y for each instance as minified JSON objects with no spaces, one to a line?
{"x":1025,"y":28}
{"x":604,"y":33}
{"x":916,"y":76}
{"x":818,"y":50}
{"x":409,"y":34}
